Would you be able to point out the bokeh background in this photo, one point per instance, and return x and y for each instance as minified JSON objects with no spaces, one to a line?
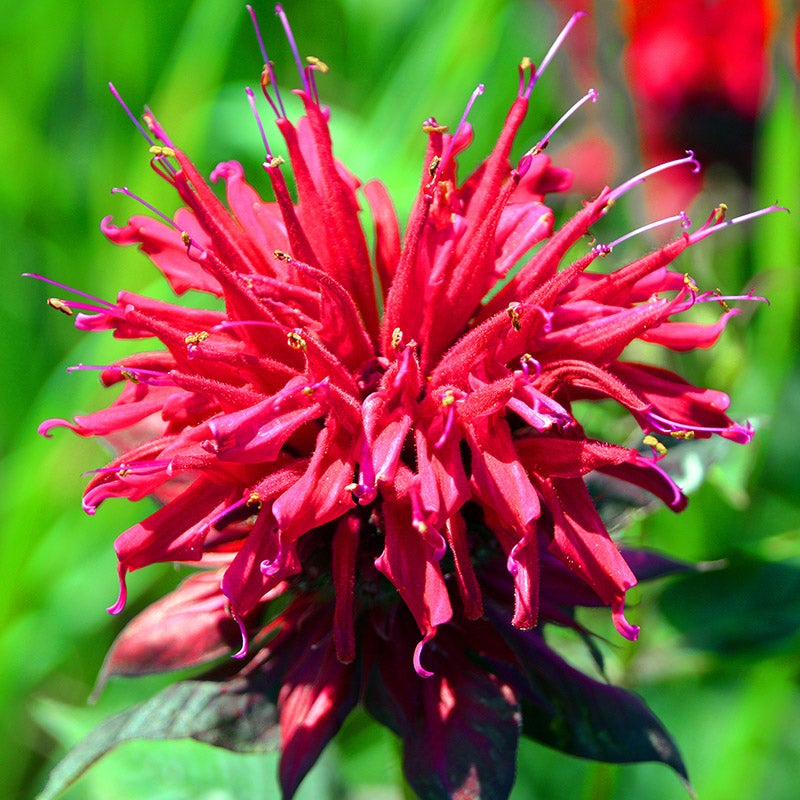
{"x":718,"y":656}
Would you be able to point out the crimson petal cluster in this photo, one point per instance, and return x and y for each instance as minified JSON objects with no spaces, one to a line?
{"x":384,"y":435}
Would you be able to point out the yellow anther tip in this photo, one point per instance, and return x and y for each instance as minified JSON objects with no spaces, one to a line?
{"x":196,"y":338}
{"x":296,"y":341}
{"x":60,"y":305}
{"x":420,"y":526}
{"x":651,"y":441}
{"x":128,"y":375}
{"x":317,"y":63}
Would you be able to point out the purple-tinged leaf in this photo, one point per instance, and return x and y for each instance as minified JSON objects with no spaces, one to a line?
{"x":460,"y":727}
{"x":573,"y":713}
{"x":318,"y":693}
{"x":649,"y":565}
{"x":236,"y":715}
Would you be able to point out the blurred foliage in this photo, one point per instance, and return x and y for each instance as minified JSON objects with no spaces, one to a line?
{"x":718,"y":658}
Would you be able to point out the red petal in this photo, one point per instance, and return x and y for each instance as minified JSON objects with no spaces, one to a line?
{"x":468,"y":588}
{"x":318,"y":693}
{"x":581,"y":541}
{"x":166,"y":250}
{"x":244,"y":581}
{"x":321,"y":494}
{"x":343,"y":569}
{"x":175,"y":532}
{"x":498,"y":478}
{"x":411,"y":563}
{"x":387,"y":232}
{"x":683,"y":336}
{"x":551,"y":456}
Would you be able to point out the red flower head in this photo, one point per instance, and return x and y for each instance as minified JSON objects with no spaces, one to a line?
{"x":385,"y":440}
{"x":699,"y":73}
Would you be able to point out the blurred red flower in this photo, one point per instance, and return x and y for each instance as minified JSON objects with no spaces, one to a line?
{"x":699,"y":73}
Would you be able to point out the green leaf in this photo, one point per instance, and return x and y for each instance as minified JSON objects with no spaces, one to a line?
{"x":235,"y":715}
{"x":750,"y":606}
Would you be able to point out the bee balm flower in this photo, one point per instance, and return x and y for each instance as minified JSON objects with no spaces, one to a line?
{"x":385,"y":440}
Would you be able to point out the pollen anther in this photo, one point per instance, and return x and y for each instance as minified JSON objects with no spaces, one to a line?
{"x":60,"y":305}
{"x":651,"y":441}
{"x":129,"y":376}
{"x":162,"y":150}
{"x":317,"y":63}
{"x":682,"y":435}
{"x":690,"y":284}
{"x":296,"y":340}
{"x":721,"y":300}
{"x":196,"y":338}
{"x":515,"y":313}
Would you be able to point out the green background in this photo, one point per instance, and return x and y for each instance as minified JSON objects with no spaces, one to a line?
{"x":718,"y":656}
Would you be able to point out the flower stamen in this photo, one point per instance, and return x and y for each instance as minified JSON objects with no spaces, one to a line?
{"x":60,"y":305}
{"x":296,"y":340}
{"x":267,"y":74}
{"x":315,"y":65}
{"x":659,"y":450}
{"x":135,"y":375}
{"x":193,"y":339}
{"x":526,"y":65}
{"x":605,"y":249}
{"x":128,"y":193}
{"x":442,"y":163}
{"x":537,"y":73}
{"x":131,"y":115}
{"x":281,"y":14}
{"x":97,"y":303}
{"x":251,"y":99}
{"x":526,"y":360}
{"x":545,"y":140}
{"x":703,"y":232}
{"x":686,"y":431}
{"x":717,"y":297}
{"x":615,"y":194}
